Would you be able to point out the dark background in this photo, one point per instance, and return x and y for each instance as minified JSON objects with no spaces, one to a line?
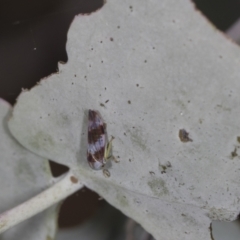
{"x":33,"y":36}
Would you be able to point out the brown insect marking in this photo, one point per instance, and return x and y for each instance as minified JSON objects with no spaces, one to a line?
{"x":95,"y":134}
{"x":184,"y":136}
{"x":96,"y":156}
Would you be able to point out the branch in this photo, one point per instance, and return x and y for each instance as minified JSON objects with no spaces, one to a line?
{"x":65,"y":187}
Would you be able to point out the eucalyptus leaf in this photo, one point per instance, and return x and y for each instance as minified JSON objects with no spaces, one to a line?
{"x":166,"y":82}
{"x":22,"y":176}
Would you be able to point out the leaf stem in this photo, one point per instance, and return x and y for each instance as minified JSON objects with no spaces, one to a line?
{"x":60,"y":190}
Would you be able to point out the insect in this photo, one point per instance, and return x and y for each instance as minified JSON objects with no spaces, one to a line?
{"x":99,"y":151}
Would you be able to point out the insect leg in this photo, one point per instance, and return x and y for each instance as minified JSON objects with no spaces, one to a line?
{"x":108,"y":149}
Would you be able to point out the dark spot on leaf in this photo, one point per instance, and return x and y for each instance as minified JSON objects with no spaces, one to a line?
{"x":234,"y":153}
{"x":164,"y":168}
{"x":169,"y":164}
{"x":73,"y":179}
{"x":184,"y":136}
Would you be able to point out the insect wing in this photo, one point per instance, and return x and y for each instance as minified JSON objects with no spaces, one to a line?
{"x":96,"y":140}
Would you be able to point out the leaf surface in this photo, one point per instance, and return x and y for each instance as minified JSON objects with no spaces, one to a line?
{"x":152,"y":69}
{"x":22,"y":176}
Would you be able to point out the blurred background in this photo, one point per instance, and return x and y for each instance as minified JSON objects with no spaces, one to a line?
{"x":33,"y":35}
